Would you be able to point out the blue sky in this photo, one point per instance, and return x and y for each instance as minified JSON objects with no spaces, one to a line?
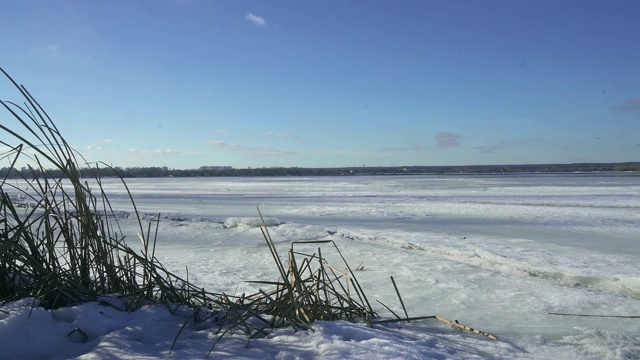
{"x":187,"y":83}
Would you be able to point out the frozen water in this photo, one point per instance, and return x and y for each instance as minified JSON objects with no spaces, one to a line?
{"x":498,"y":253}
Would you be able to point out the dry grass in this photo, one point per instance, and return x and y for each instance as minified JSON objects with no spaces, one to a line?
{"x":60,"y":242}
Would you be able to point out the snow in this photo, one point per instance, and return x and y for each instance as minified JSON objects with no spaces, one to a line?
{"x":497,"y":253}
{"x":150,"y":332}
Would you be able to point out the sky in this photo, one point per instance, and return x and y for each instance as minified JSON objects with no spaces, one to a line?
{"x":190,"y":83}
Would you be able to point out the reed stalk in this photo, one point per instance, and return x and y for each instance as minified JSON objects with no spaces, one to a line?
{"x":60,"y":241}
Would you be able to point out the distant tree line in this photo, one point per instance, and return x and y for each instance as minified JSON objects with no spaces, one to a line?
{"x":627,"y":167}
{"x":156,"y":171}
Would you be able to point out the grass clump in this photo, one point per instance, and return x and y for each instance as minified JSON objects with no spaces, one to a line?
{"x":60,"y":242}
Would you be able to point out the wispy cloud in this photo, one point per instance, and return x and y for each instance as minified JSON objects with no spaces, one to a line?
{"x":258,"y":150}
{"x":632,"y":104}
{"x":156,"y":152}
{"x":280,"y":136}
{"x":627,"y":147}
{"x":161,"y":151}
{"x":410,"y":147}
{"x":491,"y":149}
{"x":257,"y":20}
{"x":94,"y":148}
{"x":107,"y":141}
{"x":447,"y":140}
{"x":52,"y":47}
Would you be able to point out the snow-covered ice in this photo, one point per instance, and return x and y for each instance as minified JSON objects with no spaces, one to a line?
{"x":497,"y":253}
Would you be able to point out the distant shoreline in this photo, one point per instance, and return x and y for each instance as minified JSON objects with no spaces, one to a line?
{"x":227,"y":171}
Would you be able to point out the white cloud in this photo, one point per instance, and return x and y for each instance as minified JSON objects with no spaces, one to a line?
{"x":96,"y":148}
{"x":257,"y":20}
{"x":258,"y":150}
{"x":52,"y":47}
{"x":281,"y":136}
{"x":107,"y":141}
{"x":160,"y":152}
{"x":219,"y":143}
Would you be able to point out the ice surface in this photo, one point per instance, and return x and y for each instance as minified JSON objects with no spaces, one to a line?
{"x":496,"y":252}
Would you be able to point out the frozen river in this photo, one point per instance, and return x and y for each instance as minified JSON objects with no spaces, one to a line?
{"x":497,"y":252}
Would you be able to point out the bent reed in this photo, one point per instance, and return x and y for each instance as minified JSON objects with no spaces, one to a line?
{"x":60,"y":242}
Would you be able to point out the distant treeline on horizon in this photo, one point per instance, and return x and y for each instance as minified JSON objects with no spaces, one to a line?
{"x":300,"y":171}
